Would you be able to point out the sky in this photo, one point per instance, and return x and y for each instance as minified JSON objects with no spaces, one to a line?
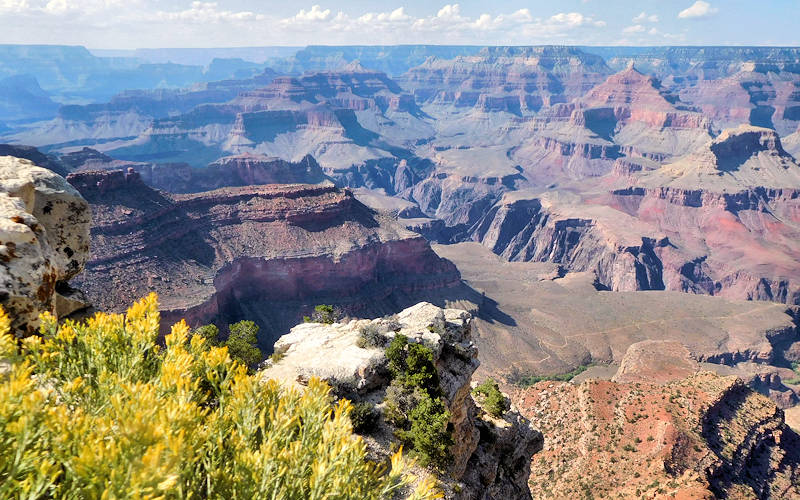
{"x":128,"y":24}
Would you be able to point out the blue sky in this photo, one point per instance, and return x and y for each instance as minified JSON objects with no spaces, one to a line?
{"x":153,"y":23}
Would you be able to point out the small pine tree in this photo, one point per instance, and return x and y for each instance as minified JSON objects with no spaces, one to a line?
{"x":242,"y":343}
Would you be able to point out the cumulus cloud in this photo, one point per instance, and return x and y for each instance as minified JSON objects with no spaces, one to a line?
{"x":645,"y":17}
{"x":447,"y":25}
{"x":697,"y":10}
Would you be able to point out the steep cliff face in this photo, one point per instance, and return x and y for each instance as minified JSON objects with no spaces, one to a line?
{"x":702,"y":224}
{"x":490,"y":457}
{"x":44,"y":242}
{"x":546,"y":229}
{"x":661,"y":430}
{"x":267,"y":253}
{"x":511,"y":79}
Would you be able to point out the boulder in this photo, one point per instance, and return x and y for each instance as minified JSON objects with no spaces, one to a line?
{"x":44,"y":241}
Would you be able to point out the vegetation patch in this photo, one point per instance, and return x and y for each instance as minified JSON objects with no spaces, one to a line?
{"x":527,"y":380}
{"x":100,"y":410}
{"x":491,"y":399}
{"x":370,"y":337}
{"x":323,"y":313}
{"x":414,"y":403}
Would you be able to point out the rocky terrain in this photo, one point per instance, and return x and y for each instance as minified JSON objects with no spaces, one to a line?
{"x":662,"y":429}
{"x":44,"y":242}
{"x":267,"y":253}
{"x":536,"y":319}
{"x":490,"y":456}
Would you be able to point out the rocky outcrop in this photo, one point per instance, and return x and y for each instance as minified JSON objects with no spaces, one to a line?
{"x":267,"y":253}
{"x":702,"y":436}
{"x":490,"y":457}
{"x":231,"y":171}
{"x":44,"y":242}
{"x":542,"y":230}
{"x":518,"y":80}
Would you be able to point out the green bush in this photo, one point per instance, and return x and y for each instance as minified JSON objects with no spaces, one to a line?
{"x":396,"y":354}
{"x":324,"y":314}
{"x":100,"y":410}
{"x":414,"y":402}
{"x":242,"y":343}
{"x":364,"y":417}
{"x":493,"y":402}
{"x":370,"y":336}
{"x":209,"y":332}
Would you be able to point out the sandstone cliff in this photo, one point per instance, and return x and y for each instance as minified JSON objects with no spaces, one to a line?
{"x":490,"y":456}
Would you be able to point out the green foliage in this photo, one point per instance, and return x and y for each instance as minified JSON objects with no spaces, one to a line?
{"x":493,"y":400}
{"x":324,"y":314}
{"x":364,"y":417}
{"x":527,"y":380}
{"x":369,"y":337}
{"x":208,"y":332}
{"x":396,"y":354}
{"x":242,"y":343}
{"x":796,"y":379}
{"x":414,"y":404}
{"x":99,"y":410}
{"x":429,"y":434}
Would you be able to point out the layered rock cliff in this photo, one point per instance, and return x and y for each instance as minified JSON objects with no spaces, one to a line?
{"x":267,"y":253}
{"x":490,"y":457}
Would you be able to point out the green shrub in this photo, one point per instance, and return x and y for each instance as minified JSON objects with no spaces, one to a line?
{"x":324,"y":314}
{"x":396,"y":354}
{"x":99,"y":410}
{"x":414,"y":402}
{"x":364,"y":417}
{"x":242,"y":343}
{"x":369,"y":337}
{"x":493,"y":402}
{"x":208,"y":332}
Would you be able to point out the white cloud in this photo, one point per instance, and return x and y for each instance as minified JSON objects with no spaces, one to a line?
{"x":315,"y":14}
{"x":698,"y":9}
{"x":644,"y":17}
{"x":206,"y":12}
{"x":636,"y":28}
{"x":575,"y":19}
{"x":13,"y":5}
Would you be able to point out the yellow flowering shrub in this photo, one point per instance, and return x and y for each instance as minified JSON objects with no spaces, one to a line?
{"x":99,"y":410}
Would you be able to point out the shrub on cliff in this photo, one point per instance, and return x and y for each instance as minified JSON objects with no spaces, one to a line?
{"x":370,"y":336}
{"x":99,"y":410}
{"x":493,"y":400}
{"x":414,"y":402}
{"x":324,"y":314}
{"x":242,"y":343}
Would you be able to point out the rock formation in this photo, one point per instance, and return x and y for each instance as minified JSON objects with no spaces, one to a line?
{"x":701,"y":436}
{"x":267,"y":253}
{"x":490,"y":456}
{"x":44,"y":241}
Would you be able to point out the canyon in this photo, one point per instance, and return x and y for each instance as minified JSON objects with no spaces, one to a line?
{"x":627,"y":218}
{"x":267,"y":253}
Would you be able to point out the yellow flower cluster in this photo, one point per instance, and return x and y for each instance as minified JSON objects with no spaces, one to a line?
{"x":99,"y":410}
